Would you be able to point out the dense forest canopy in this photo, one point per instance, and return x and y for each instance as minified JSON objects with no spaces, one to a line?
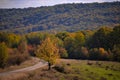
{"x":101,"y":44}
{"x":68,"y":17}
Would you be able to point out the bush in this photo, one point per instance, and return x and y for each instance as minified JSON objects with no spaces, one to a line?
{"x":116,"y":52}
{"x":17,"y":58}
{"x":63,"y":53}
{"x":3,"y":55}
{"x":63,"y":68}
{"x":99,"y":54}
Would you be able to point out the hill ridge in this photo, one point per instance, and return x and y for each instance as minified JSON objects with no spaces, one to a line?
{"x":64,"y":17}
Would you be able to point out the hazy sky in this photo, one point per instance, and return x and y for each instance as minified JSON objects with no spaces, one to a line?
{"x":37,"y":3}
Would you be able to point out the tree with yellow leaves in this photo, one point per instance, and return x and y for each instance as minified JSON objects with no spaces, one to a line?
{"x":3,"y":54}
{"x":48,"y":51}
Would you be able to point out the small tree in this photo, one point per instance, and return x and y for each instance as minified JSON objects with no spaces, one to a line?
{"x":116,"y":52}
{"x":3,"y":55}
{"x":22,"y":47}
{"x":63,"y":53}
{"x":83,"y":53}
{"x":47,"y":51}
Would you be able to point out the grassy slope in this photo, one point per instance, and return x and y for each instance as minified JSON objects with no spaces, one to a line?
{"x":77,"y":70}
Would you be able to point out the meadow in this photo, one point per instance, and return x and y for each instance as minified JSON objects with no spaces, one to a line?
{"x":71,"y":69}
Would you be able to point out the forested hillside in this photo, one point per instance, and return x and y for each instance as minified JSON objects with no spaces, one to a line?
{"x":69,"y":17}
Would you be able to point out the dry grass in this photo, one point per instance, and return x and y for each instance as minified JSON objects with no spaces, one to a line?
{"x":14,"y":76}
{"x":26,"y":63}
{"x":73,"y":70}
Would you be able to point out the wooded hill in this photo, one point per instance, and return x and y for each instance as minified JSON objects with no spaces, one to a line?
{"x":69,"y":17}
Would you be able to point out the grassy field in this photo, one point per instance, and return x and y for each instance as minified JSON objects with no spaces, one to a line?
{"x":75,"y":70}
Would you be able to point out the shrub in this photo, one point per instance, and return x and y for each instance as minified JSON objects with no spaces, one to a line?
{"x":63,"y":53}
{"x":17,"y":58}
{"x":89,"y":63}
{"x":116,"y":52}
{"x":63,"y":68}
{"x":3,"y":55}
{"x":99,"y":54}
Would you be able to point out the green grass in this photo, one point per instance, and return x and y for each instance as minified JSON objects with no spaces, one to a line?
{"x":77,"y":70}
{"x":105,"y":71}
{"x":98,"y":70}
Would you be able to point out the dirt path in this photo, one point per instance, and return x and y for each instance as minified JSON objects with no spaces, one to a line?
{"x":36,"y":66}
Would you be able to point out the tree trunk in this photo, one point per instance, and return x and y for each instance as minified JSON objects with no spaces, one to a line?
{"x":49,"y":66}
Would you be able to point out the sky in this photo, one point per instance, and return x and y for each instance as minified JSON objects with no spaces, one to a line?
{"x":38,"y":3}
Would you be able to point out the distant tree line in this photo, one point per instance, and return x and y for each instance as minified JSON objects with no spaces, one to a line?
{"x":101,"y":44}
{"x":69,"y":17}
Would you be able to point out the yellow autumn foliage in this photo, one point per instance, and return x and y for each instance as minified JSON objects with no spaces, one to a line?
{"x":48,"y":51}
